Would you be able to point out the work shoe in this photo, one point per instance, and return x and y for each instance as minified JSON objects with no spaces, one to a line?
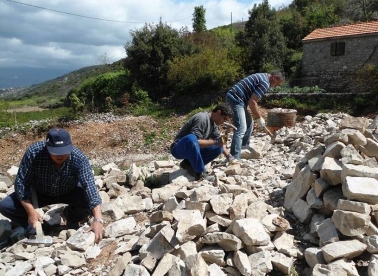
{"x":204,"y":176}
{"x":186,"y":166}
{"x":235,"y":161}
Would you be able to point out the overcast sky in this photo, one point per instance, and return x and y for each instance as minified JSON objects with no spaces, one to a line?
{"x":54,"y":37}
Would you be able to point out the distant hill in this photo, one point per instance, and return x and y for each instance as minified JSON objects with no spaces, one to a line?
{"x":59,"y":87}
{"x":26,"y":76}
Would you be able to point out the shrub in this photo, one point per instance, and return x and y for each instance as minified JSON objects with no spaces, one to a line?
{"x":102,"y":92}
{"x":366,"y":78}
{"x":206,"y":72}
{"x":148,"y":53}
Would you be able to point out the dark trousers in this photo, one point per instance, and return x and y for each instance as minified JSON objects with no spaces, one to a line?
{"x":12,"y":208}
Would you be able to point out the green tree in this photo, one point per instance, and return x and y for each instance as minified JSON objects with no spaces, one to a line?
{"x":366,"y":79}
{"x":206,"y":72}
{"x":300,"y":5}
{"x":362,"y":10}
{"x":102,"y":92}
{"x":294,"y":28}
{"x":75,"y":102}
{"x":225,"y":39}
{"x":199,"y":21}
{"x":148,"y":54}
{"x":263,"y":42}
{"x":320,"y":16}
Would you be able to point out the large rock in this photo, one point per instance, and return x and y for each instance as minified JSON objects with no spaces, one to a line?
{"x":361,"y":188}
{"x":299,"y":187}
{"x":348,"y":249}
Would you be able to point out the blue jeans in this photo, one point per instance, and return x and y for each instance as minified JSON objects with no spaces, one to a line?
{"x":242,"y":119}
{"x":188,"y":148}
{"x":12,"y":208}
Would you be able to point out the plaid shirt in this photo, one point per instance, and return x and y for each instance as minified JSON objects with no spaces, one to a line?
{"x":37,"y":170}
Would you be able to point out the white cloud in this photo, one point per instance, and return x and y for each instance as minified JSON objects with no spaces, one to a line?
{"x":43,"y":38}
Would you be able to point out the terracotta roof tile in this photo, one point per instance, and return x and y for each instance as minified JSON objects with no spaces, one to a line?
{"x":345,"y":30}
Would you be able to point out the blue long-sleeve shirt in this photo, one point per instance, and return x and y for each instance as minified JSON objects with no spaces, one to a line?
{"x":37,"y":170}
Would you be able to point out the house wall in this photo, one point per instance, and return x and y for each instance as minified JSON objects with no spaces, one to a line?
{"x":334,"y":73}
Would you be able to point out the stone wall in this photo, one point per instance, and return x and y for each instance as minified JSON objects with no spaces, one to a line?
{"x":334,"y":73}
{"x":313,"y":96}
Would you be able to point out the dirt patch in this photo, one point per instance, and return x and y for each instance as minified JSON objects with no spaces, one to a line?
{"x":129,"y":138}
{"x":105,"y":259}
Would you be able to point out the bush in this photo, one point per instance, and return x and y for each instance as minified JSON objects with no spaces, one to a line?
{"x":102,"y":92}
{"x":366,"y":78}
{"x":206,"y":72}
{"x":148,"y":53}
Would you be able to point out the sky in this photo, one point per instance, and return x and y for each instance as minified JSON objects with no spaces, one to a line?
{"x":45,"y":39}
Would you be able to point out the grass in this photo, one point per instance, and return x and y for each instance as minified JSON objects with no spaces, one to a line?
{"x":97,"y":170}
{"x":14,"y":119}
{"x":160,"y":113}
{"x":149,"y":138}
{"x":34,"y":101}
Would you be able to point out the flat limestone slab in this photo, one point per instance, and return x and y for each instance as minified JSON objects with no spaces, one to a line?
{"x":363,"y":189}
{"x":348,"y":249}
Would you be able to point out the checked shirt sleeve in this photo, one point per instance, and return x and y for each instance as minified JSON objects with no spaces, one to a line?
{"x":87,"y":181}
{"x":21,"y":187}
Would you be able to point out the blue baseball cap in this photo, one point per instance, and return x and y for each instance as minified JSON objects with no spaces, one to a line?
{"x":58,"y":142}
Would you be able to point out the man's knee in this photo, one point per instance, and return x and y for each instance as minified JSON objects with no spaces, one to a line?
{"x":6,"y":204}
{"x":190,"y":138}
{"x":2,"y":207}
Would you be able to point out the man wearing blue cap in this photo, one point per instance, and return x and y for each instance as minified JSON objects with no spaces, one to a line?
{"x":57,"y":172}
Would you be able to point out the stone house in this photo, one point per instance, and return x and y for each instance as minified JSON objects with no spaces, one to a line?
{"x":332,"y":55}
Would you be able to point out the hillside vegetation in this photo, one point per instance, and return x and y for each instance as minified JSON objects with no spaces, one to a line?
{"x":167,"y":68}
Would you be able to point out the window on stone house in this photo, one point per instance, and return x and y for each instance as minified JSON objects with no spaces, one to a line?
{"x":337,"y":48}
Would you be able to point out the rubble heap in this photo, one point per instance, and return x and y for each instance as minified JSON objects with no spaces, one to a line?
{"x":159,"y":221}
{"x":335,"y":189}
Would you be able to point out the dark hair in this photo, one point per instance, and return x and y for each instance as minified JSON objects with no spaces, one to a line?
{"x":278,"y":74}
{"x":225,"y":109}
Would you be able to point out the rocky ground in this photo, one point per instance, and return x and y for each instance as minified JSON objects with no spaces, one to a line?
{"x":103,"y":138}
{"x":132,"y":140}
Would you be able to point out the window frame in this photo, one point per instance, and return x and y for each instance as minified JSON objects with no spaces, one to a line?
{"x":338,"y":48}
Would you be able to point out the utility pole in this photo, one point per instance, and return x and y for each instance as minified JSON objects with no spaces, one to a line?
{"x":231,"y":22}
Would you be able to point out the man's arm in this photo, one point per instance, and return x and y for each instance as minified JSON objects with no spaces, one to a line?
{"x":87,"y":181}
{"x":226,"y":153}
{"x":254,"y":106}
{"x":23,"y":177}
{"x":97,"y":223}
{"x":33,"y":216}
{"x":23,"y":191}
{"x":96,"y":212}
{"x":86,"y":178}
{"x":208,"y":143}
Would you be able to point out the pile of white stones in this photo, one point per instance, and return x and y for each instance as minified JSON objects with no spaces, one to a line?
{"x":324,"y":170}
{"x":335,"y":189}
